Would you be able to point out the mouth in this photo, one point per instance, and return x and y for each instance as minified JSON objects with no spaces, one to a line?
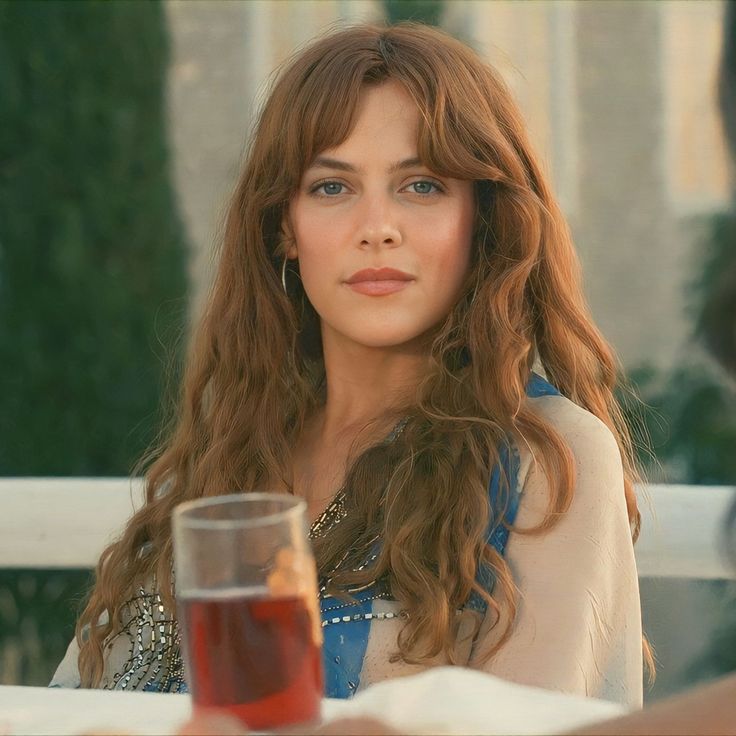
{"x":379,"y":281}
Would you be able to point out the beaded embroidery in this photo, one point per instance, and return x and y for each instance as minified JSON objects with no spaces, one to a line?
{"x":381,"y":616}
{"x":154,"y":661}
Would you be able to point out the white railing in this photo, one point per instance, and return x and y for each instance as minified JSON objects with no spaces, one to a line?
{"x":66,"y":522}
{"x":62,"y":522}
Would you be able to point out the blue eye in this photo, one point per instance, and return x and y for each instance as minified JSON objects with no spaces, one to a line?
{"x":329,"y":188}
{"x":424,"y":187}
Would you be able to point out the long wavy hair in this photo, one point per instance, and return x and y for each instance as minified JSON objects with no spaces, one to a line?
{"x":255,"y":370}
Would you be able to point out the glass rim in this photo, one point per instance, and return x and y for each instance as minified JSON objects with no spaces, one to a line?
{"x":183,"y":512}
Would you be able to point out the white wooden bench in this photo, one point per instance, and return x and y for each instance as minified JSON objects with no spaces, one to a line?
{"x":66,"y":522}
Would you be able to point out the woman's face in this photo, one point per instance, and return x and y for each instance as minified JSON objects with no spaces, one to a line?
{"x":383,"y":243}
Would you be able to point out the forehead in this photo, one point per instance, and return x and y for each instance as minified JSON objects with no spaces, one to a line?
{"x":386,"y":125}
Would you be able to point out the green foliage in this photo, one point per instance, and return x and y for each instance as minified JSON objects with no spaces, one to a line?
{"x":689,"y":418}
{"x":424,"y":11}
{"x":719,"y":243}
{"x":720,"y":655}
{"x":38,"y":611}
{"x":92,"y":271}
{"x":92,"y":255}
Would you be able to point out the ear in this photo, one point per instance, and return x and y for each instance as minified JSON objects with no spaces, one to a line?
{"x":287,"y":233}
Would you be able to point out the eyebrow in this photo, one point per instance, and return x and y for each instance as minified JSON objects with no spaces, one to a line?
{"x":324,"y":162}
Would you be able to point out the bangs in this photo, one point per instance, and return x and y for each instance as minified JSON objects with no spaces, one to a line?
{"x":324,"y":99}
{"x":315,"y":103}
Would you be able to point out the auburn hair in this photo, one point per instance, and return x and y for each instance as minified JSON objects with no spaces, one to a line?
{"x":255,"y":370}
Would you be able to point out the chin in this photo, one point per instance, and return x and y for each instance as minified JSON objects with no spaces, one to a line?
{"x":394,"y":329}
{"x":385,"y":339}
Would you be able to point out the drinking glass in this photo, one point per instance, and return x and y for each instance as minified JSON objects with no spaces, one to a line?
{"x":246,"y":589}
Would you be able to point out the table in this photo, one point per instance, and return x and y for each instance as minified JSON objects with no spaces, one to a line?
{"x":40,"y":710}
{"x":27,"y":710}
{"x":442,"y":700}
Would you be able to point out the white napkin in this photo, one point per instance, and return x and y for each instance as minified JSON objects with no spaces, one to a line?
{"x":455,"y":700}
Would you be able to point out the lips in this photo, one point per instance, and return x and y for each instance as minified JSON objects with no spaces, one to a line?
{"x":377,"y":275}
{"x":379,"y":281}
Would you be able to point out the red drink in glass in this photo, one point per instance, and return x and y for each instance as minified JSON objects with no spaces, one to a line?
{"x":246,"y":585}
{"x":253,"y":654}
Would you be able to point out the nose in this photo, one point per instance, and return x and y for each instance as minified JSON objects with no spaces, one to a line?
{"x":379,"y":223}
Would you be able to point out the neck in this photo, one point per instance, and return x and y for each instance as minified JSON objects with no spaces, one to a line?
{"x":366,"y":385}
{"x":365,"y":391}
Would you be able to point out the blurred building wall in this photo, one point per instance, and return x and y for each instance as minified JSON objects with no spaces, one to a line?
{"x":619,"y":98}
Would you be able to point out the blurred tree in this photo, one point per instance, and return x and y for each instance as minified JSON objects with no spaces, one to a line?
{"x":38,"y":613}
{"x":92,"y":254}
{"x":424,"y":11}
{"x":92,"y":271}
{"x":687,"y":424}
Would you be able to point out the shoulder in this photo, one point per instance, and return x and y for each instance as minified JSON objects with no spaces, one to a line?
{"x":577,"y":623}
{"x":593,"y":447}
{"x":590,"y":441}
{"x":583,"y":432}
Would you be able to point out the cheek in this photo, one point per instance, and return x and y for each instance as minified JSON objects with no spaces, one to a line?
{"x":317,"y":251}
{"x":453,"y":245}
{"x":314,"y":277}
{"x":317,"y":232}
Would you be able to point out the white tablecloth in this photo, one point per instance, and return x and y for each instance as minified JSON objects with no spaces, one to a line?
{"x":444,"y":700}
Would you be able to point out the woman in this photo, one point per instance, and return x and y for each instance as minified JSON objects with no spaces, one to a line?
{"x":393,"y":265}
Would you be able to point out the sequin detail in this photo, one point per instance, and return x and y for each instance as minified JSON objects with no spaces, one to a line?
{"x":154,"y":662}
{"x":332,"y":515}
{"x":380,"y":616}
